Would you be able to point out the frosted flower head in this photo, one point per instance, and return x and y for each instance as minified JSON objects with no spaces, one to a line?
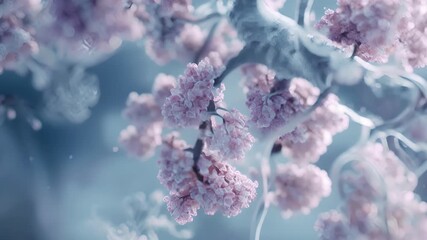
{"x":300,"y":188}
{"x":370,"y":24}
{"x":231,"y":139}
{"x":175,"y":166}
{"x":257,"y":76}
{"x":219,"y":186}
{"x":188,"y":104}
{"x":224,"y":189}
{"x":182,"y":208}
{"x":380,"y":28}
{"x":270,"y":102}
{"x":70,"y":94}
{"x":312,"y":137}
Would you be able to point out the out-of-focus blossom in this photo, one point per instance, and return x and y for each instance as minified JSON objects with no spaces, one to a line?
{"x":99,"y":25}
{"x":300,"y":188}
{"x":375,"y":159}
{"x":378,"y":198}
{"x":19,"y":7}
{"x":141,"y":142}
{"x":144,"y":220}
{"x":162,"y":88}
{"x":70,"y":94}
{"x":416,"y":129}
{"x":332,"y":225}
{"x":142,"y":110}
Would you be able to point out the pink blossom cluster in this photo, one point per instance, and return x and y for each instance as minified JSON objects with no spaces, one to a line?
{"x":332,"y":225}
{"x":188,"y":104}
{"x":272,"y":103}
{"x":380,"y":28}
{"x":379,"y":202}
{"x":312,"y":137}
{"x":386,"y":164}
{"x":402,"y":217}
{"x":144,"y":112}
{"x":208,"y":183}
{"x":415,"y":129}
{"x":17,"y":37}
{"x":100,"y":25}
{"x":269,"y":108}
{"x":300,"y":188}
{"x":231,"y":139}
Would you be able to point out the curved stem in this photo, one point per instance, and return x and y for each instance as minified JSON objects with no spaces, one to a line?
{"x":261,"y":222}
{"x":256,"y":218}
{"x":233,"y":63}
{"x":302,"y":116}
{"x":203,"y":19}
{"x":303,"y":12}
{"x":208,"y":40}
{"x":263,"y":205}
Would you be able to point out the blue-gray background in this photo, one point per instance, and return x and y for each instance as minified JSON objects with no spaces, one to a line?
{"x":52,"y":181}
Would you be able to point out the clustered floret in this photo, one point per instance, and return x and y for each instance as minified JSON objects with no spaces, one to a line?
{"x":380,"y":28}
{"x":379,"y":200}
{"x":300,"y":188}
{"x":144,"y":112}
{"x":272,"y":103}
{"x":231,"y":139}
{"x":211,"y":184}
{"x":188,"y":104}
